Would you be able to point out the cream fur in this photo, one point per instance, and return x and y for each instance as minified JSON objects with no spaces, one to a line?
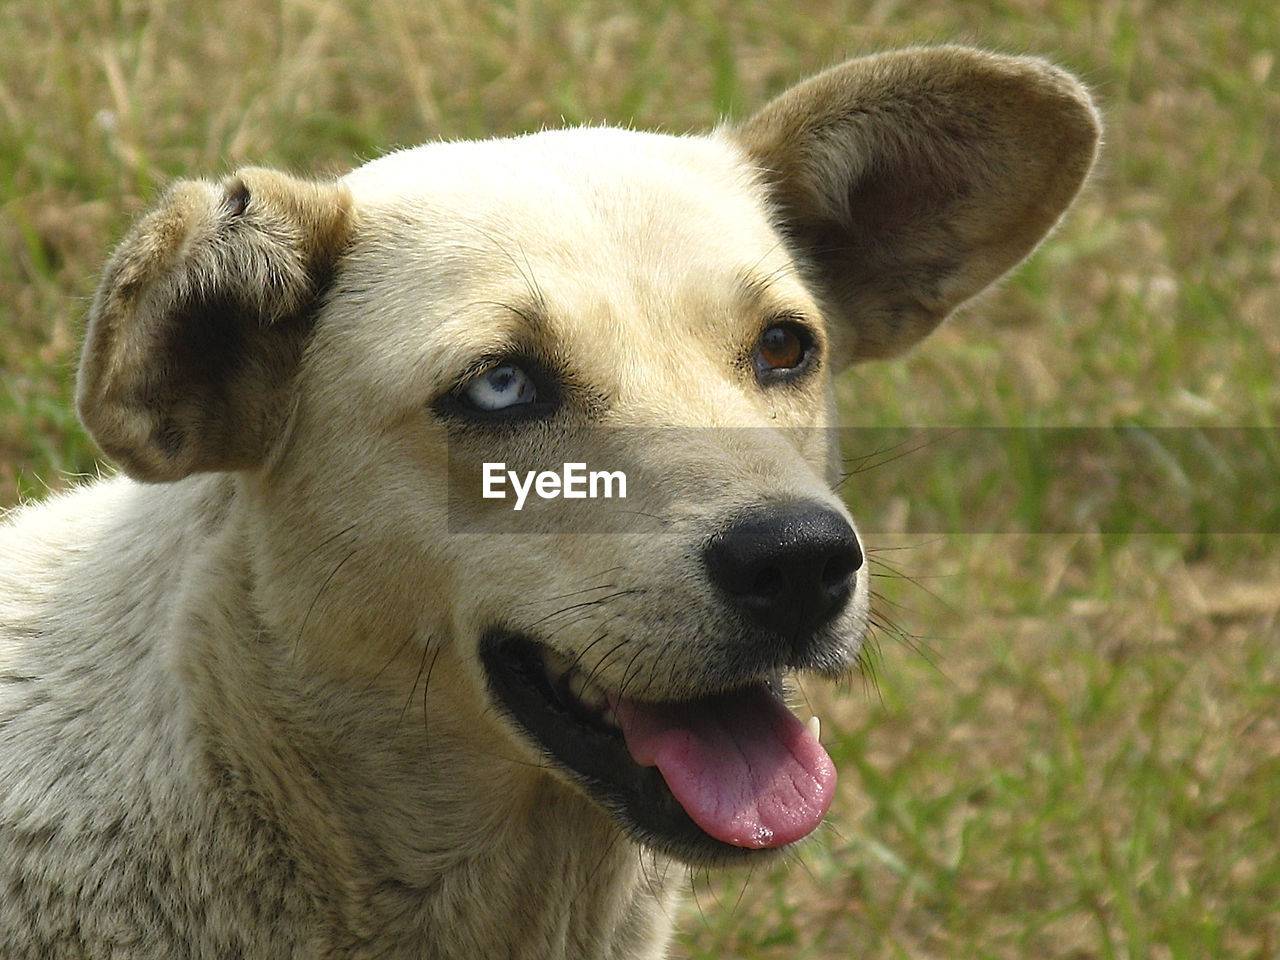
{"x":242,"y":711}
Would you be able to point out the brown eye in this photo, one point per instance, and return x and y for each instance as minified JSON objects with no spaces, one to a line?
{"x":782,"y":347}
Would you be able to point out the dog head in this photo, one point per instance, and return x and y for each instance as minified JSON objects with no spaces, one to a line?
{"x":666,"y":309}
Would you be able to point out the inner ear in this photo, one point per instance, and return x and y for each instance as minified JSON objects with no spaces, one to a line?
{"x":201,"y":319}
{"x":909,"y":181}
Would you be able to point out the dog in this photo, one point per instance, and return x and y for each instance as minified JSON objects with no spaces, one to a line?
{"x":290,"y":687}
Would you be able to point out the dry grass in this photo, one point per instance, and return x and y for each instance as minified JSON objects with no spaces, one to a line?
{"x":1072,"y":746}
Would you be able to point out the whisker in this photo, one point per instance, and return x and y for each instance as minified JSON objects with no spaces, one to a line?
{"x":394,"y":657}
{"x":883,"y":456}
{"x":577,"y":661}
{"x":328,"y":540}
{"x":585,"y":604}
{"x":742,"y":890}
{"x":572,"y":593}
{"x":625,"y":685}
{"x":314,"y":600}
{"x":603,"y":662}
{"x":610,"y":847}
{"x":409,"y":699}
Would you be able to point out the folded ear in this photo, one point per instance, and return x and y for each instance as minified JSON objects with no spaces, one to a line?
{"x":200,"y":320}
{"x":911,"y":180}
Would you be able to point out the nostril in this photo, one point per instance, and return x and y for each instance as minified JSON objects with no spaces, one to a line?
{"x":767,"y":584}
{"x":838,"y":573}
{"x":844,"y":562}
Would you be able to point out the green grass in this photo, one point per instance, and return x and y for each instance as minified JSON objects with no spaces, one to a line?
{"x":1070,"y":743}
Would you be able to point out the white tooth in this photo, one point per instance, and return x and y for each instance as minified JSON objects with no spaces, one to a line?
{"x":593,"y":697}
{"x":609,"y":718}
{"x":815,"y":727}
{"x":588,"y":694}
{"x":555,"y":665}
{"x":585,"y":692}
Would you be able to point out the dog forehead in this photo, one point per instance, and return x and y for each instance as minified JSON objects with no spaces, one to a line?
{"x":569,"y":193}
{"x":592,"y":229}
{"x":588,"y":155}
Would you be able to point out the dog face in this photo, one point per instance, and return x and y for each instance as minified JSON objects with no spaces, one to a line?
{"x":641,"y":314}
{"x":670,"y":309}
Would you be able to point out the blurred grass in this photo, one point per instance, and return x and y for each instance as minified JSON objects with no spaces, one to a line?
{"x":1069,"y":746}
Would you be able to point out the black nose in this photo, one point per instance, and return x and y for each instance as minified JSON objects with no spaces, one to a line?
{"x":789,"y":567}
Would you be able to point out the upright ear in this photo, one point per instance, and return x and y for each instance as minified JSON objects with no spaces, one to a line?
{"x":200,"y":320}
{"x":911,"y":180}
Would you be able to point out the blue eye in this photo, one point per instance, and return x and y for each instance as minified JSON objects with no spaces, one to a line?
{"x":499,"y":388}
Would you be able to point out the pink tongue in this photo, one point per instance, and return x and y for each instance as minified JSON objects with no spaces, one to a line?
{"x":742,"y":766}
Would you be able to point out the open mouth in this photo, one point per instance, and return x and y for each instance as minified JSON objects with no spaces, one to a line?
{"x":705,"y":781}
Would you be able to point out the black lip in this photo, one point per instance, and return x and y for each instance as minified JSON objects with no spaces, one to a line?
{"x":596,"y":756}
